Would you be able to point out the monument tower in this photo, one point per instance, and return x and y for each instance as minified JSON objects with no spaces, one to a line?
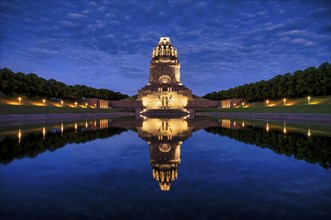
{"x":164,"y":89}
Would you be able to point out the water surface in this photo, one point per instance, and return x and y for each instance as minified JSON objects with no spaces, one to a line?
{"x":165,"y":169}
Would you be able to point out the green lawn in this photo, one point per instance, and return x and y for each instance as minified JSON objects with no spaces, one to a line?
{"x":299,"y":109}
{"x":318,"y":105}
{"x":28,"y":109}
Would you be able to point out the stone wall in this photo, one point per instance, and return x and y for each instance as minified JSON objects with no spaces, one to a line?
{"x":126,"y":104}
{"x":203,"y":104}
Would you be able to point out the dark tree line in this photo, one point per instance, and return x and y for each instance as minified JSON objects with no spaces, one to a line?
{"x":33,"y":144}
{"x":33,"y":86}
{"x":314,"y":149}
{"x":309,"y":82}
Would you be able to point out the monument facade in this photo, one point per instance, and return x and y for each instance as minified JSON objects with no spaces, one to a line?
{"x":164,"y":89}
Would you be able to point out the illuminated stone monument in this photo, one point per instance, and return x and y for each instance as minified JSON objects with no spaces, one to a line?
{"x":164,"y":90}
{"x":165,"y":137}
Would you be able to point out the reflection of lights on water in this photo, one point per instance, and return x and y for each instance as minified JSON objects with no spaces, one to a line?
{"x":19,"y":135}
{"x":75,"y":126}
{"x":242,"y":124}
{"x":226,"y":123}
{"x":284,"y":129}
{"x":267,"y":127}
{"x":309,"y":133}
{"x":95,"y":123}
{"x":234,"y":123}
{"x":44,"y":132}
{"x":86,"y":124}
{"x":62,"y":129}
{"x":103,"y":123}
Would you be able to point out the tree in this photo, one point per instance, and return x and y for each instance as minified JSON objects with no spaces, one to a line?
{"x":33,"y":86}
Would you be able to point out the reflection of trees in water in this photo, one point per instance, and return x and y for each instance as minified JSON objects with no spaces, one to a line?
{"x":314,"y":149}
{"x":33,"y":144}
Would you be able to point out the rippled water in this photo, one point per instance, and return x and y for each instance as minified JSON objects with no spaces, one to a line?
{"x":165,"y":169}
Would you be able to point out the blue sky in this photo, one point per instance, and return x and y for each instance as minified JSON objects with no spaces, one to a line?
{"x":108,"y":44}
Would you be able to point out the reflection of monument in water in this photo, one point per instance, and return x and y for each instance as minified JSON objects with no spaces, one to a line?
{"x":165,"y":137}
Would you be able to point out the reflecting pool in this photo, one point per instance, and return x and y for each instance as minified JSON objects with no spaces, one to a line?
{"x":169,"y":168}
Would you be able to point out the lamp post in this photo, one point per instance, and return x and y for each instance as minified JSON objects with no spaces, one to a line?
{"x":19,"y":100}
{"x":308,"y":98}
{"x":284,"y":100}
{"x":267,"y":102}
{"x":75,"y":104}
{"x":243,"y":104}
{"x":86,"y":104}
{"x":62,"y":103}
{"x":44,"y":101}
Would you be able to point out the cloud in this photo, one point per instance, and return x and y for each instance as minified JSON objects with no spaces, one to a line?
{"x":76,"y":15}
{"x":71,"y":25}
{"x":302,"y":42}
{"x":293,"y":32}
{"x":44,"y":53}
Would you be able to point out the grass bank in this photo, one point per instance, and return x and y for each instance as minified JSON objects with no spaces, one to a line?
{"x":317,"y":105}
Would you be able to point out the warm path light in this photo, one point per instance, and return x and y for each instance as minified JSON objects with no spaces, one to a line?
{"x":308,"y":98}
{"x":19,"y":100}
{"x":284,"y":100}
{"x":44,"y":132}
{"x":243,"y":104}
{"x":62,"y":129}
{"x":267,"y":127}
{"x":309,"y":133}
{"x":86,"y":104}
{"x":44,"y":101}
{"x":75,"y":104}
{"x":19,"y":135}
{"x":62,"y":103}
{"x":267,"y":102}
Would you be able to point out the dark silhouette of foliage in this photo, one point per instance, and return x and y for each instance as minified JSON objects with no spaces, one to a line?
{"x":309,"y":82}
{"x":33,"y":86}
{"x":314,"y":149}
{"x":33,"y":144}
